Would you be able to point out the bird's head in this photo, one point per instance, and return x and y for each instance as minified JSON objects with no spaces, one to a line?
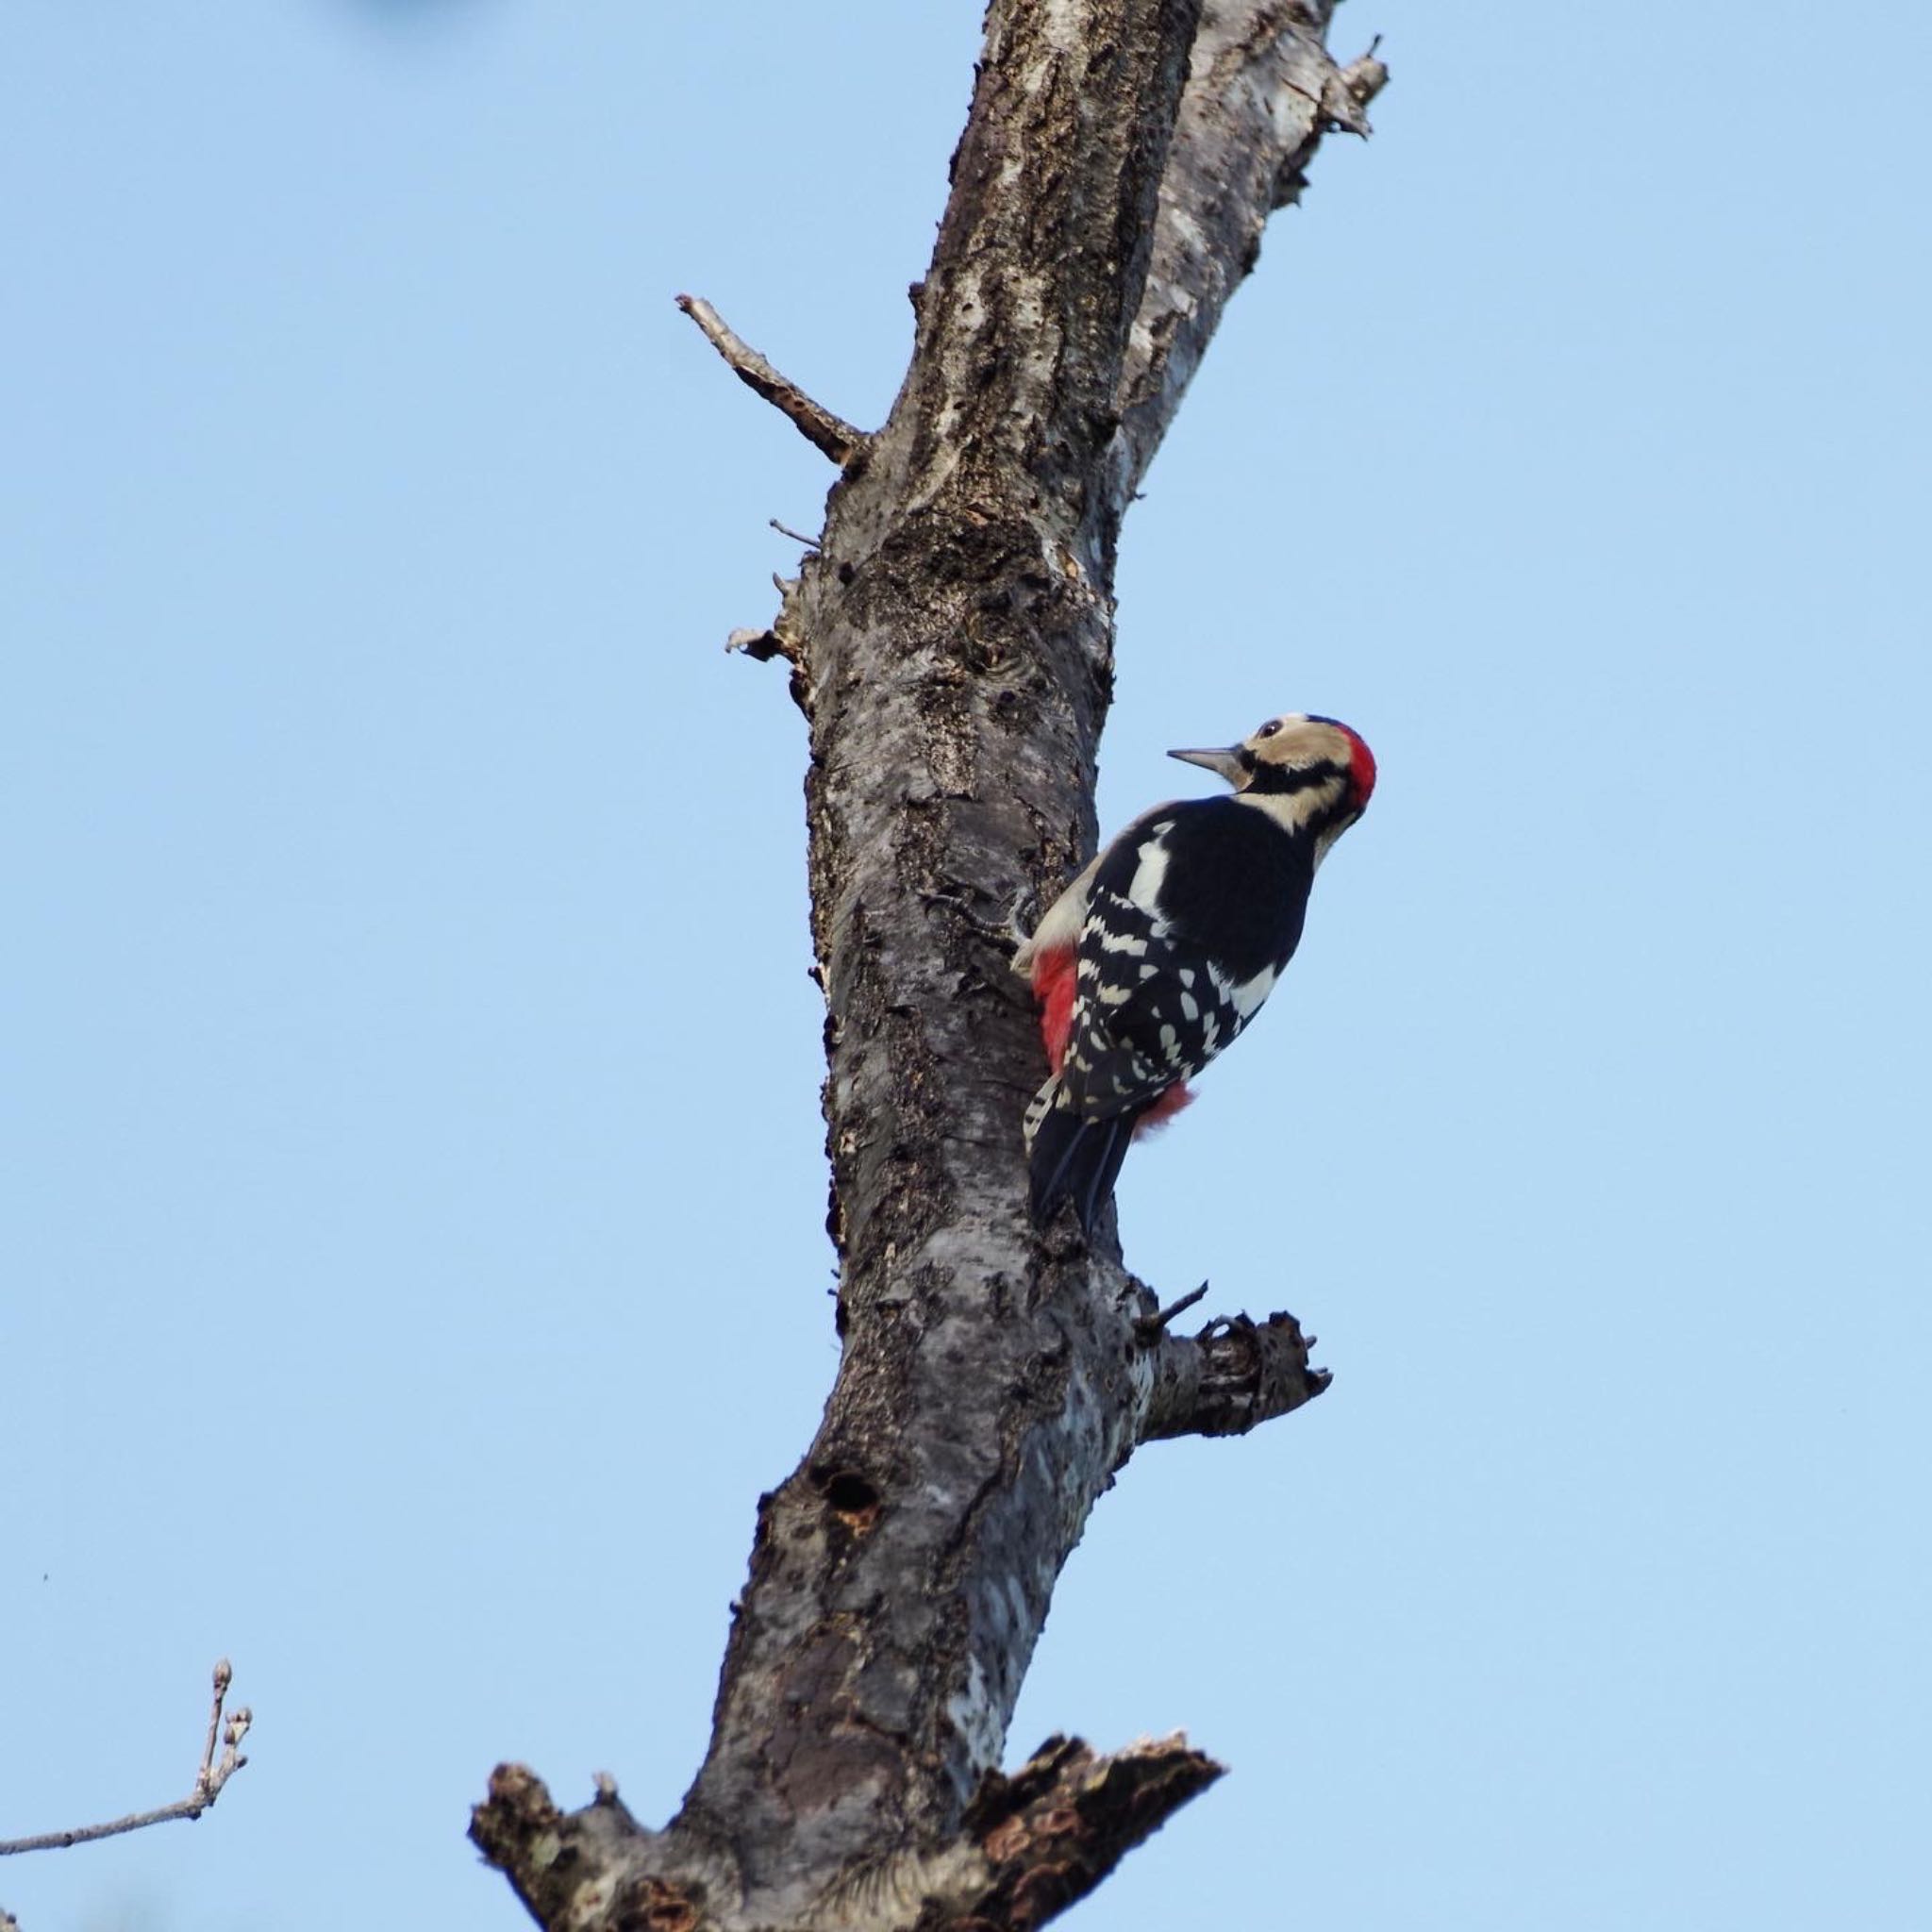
{"x":1319,"y":759}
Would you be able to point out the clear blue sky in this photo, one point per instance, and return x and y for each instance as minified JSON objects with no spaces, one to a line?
{"x":412,"y":1187}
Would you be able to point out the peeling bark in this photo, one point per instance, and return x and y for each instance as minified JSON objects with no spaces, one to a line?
{"x":951,"y":644}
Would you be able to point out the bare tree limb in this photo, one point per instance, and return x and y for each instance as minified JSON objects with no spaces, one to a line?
{"x":817,"y":424}
{"x":589,"y":1868}
{"x":1234,"y":1375}
{"x":1262,"y":93}
{"x":208,"y":1781}
{"x":1032,"y":1844}
{"x":1066,"y":1817}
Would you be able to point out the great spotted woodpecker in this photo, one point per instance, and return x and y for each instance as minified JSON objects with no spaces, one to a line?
{"x":1165,"y":946}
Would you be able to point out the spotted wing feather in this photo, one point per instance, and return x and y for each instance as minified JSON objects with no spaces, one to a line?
{"x":1155,"y":1001}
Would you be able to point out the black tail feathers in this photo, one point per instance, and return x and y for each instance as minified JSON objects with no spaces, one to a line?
{"x":1077,"y":1160}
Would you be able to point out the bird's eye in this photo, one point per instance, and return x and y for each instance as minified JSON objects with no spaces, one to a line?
{"x":1269,"y":729}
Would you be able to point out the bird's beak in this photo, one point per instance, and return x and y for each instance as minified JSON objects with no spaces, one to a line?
{"x":1226,"y":763}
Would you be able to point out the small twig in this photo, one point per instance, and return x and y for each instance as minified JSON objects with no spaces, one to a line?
{"x":223,"y":1676}
{"x":796,"y":535}
{"x":817,"y":424}
{"x":1148,"y":1328}
{"x":209,"y":1782}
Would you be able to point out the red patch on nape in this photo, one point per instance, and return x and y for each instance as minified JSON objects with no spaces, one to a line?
{"x":1053,"y":987}
{"x":1361,"y":767}
{"x":1164,"y":1108}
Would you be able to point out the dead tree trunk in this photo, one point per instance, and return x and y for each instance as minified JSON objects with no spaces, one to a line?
{"x":951,"y":644}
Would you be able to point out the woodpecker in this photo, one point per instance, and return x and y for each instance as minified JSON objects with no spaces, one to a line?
{"x":1165,"y":946}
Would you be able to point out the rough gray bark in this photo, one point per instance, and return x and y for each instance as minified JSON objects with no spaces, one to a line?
{"x":951,"y":644}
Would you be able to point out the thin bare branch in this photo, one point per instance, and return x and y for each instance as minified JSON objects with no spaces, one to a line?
{"x":209,"y":1782}
{"x":817,"y":424}
{"x":1149,"y":1328}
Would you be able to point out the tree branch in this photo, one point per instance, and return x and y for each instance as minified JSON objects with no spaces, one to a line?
{"x":208,"y":1781}
{"x":599,"y":1866}
{"x":1065,"y":1818}
{"x":1262,"y":90}
{"x":1234,"y":1375}
{"x":817,"y":424}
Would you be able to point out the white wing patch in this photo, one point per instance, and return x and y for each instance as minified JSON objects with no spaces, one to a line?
{"x":1247,"y":996}
{"x":1144,"y":886}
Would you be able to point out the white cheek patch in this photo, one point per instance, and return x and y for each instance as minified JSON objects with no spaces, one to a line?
{"x":1294,"y":810}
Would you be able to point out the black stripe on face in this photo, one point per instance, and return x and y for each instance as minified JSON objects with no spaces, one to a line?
{"x":1290,"y":779}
